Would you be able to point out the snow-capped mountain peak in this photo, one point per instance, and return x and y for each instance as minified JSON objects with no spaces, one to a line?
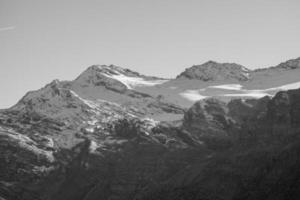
{"x":118,"y":78}
{"x":150,"y":96}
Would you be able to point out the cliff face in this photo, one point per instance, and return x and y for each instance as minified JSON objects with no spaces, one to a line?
{"x":284,"y":111}
{"x":277,"y":114}
{"x":262,"y":162}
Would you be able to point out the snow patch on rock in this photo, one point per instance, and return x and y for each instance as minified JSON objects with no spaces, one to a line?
{"x":227,"y":87}
{"x":290,"y":86}
{"x":93,"y":146}
{"x":192,"y":95}
{"x":253,"y":94}
{"x":133,"y":82}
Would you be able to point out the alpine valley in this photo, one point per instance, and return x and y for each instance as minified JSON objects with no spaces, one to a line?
{"x":218,"y":131}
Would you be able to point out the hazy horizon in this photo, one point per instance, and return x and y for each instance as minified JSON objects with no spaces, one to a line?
{"x":45,"y":40}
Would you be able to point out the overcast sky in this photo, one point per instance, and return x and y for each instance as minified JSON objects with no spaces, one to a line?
{"x":43,"y":40}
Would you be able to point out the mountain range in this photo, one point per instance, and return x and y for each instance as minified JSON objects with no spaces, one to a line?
{"x":216,"y":131}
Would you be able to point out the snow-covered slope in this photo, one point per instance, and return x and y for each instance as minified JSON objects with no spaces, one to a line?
{"x":115,"y":78}
{"x":100,"y":92}
{"x":226,"y":81}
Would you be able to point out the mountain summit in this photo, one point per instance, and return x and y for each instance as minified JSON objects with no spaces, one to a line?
{"x":213,"y":71}
{"x":115,"y":78}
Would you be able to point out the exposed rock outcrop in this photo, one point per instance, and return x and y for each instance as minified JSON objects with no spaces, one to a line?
{"x":213,"y":71}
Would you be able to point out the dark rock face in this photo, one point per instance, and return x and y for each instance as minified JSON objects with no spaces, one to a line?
{"x":270,"y":172}
{"x":262,"y":163}
{"x":208,"y":117}
{"x":213,"y":71}
{"x":115,"y":163}
{"x":284,"y":111}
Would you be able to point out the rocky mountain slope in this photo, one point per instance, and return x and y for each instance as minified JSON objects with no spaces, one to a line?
{"x":213,"y":71}
{"x":112,"y":133}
